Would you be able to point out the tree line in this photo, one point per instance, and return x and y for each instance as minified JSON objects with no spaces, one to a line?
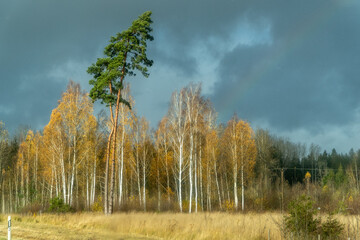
{"x":189,"y":163}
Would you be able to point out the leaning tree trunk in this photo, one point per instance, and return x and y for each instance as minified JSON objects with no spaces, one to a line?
{"x":112,"y":181}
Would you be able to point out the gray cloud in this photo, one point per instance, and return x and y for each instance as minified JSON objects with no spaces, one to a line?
{"x":290,"y":65}
{"x":306,"y":78}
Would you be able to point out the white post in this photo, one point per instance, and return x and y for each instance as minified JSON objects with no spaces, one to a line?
{"x":9,"y":227}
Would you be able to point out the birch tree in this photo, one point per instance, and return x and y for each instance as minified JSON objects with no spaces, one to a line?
{"x":177,"y":121}
{"x":145,"y":145}
{"x":193,"y":110}
{"x":75,"y":109}
{"x":241,"y":150}
{"x":162,"y":143}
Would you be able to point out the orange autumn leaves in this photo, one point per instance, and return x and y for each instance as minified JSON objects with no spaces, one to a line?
{"x":241,"y":151}
{"x":238,"y":139}
{"x":67,"y":159}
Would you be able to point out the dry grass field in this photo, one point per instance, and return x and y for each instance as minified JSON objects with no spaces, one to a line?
{"x":153,"y":226}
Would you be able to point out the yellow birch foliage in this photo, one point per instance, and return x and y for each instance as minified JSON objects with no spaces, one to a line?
{"x":239,"y":144}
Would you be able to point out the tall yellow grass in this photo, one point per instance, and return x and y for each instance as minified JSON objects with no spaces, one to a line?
{"x":169,"y":225}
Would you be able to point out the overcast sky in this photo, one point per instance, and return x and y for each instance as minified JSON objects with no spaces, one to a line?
{"x":290,"y":66}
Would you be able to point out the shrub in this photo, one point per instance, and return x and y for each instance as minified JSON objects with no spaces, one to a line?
{"x":229,"y":206}
{"x":57,"y":205}
{"x":98,"y":205}
{"x":301,"y":220}
{"x":331,"y":228}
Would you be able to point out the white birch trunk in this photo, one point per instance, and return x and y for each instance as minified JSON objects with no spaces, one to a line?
{"x":144,"y":184}
{"x":63,"y":177}
{"x":190,"y":171}
{"x":138,"y":174}
{"x":56,"y":185}
{"x":167,"y":175}
{"x":195,"y":179}
{"x":70,"y":198}
{"x":217,"y":184}
{"x":16,"y":192}
{"x":236,"y":201}
{"x":121,"y":166}
{"x":201,"y":176}
{"x":27,"y":187}
{"x":36,"y":167}
{"x":242,"y":175}
{"x":87,"y":189}
{"x":10,"y":197}
{"x":158,"y":187}
{"x":242,"y":189}
{"x":180,"y":173}
{"x":22,"y":183}
{"x":93,"y":188}
{"x":51,"y":184}
{"x":208,"y":188}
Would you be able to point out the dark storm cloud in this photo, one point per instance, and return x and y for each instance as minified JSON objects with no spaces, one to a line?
{"x":292,"y":64}
{"x":313,"y":77}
